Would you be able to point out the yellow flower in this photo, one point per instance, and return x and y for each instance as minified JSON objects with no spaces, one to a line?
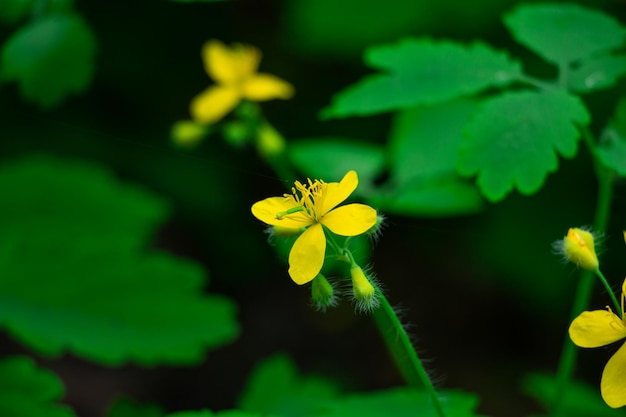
{"x":314,"y":208}
{"x":599,"y":328}
{"x":234,"y":70}
{"x":578,"y":247}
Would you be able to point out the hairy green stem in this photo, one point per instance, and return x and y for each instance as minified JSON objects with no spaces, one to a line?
{"x":403,"y":351}
{"x":616,"y":305}
{"x":585,"y":284}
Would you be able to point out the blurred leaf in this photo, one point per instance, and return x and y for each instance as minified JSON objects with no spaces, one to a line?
{"x":15,"y":10}
{"x":330,"y":158}
{"x":513,"y":140}
{"x":274,"y":387}
{"x":423,"y":71}
{"x":441,"y":197}
{"x":400,"y":402}
{"x":425,"y":140}
{"x":50,"y":58}
{"x":564,"y":33}
{"x":107,"y":302}
{"x":612,"y":146}
{"x":225,"y":413}
{"x":597,"y":73}
{"x":127,"y":408}
{"x":28,"y":391}
{"x":579,"y":399}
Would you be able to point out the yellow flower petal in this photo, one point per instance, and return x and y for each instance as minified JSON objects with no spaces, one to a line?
{"x":596,"y":328}
{"x":261,"y":87}
{"x":339,"y":191}
{"x":350,"y":220}
{"x":307,"y":255}
{"x":266,"y":211}
{"x":229,"y":65}
{"x":613,"y":385}
{"x":214,"y":103}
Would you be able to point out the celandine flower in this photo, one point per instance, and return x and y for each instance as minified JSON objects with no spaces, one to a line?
{"x":579,"y":247}
{"x":312,"y":205}
{"x":599,"y":328}
{"x":234,"y":70}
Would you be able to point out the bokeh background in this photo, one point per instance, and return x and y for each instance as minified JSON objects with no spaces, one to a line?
{"x":485,"y":297}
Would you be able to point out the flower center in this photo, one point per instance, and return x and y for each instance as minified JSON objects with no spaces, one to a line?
{"x":309,"y":199}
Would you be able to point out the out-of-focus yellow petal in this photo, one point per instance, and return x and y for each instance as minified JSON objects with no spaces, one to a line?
{"x":229,"y":65}
{"x":624,"y":288}
{"x":350,"y":220}
{"x":214,"y":103}
{"x":266,"y":211}
{"x":613,"y":385}
{"x":187,"y":133}
{"x":337,"y":192}
{"x":261,"y":87}
{"x":596,"y":328}
{"x":307,"y":255}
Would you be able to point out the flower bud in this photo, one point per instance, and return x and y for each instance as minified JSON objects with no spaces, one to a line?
{"x":363,"y":290}
{"x":269,"y":142}
{"x":187,"y":133}
{"x":322,"y":293}
{"x":578,"y":247}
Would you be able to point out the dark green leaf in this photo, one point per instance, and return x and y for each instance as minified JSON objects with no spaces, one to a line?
{"x":579,"y":399}
{"x":425,"y":140}
{"x":107,"y":301}
{"x":14,"y":10}
{"x":28,"y":391}
{"x":423,"y":71}
{"x":612,"y":146}
{"x":274,"y":387}
{"x":330,"y":158}
{"x":445,"y":196}
{"x":564,"y":33}
{"x":50,"y":58}
{"x":597,"y":73}
{"x":514,"y":139}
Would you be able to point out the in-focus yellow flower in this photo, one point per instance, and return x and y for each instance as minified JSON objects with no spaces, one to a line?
{"x":234,"y":69}
{"x":599,"y":328}
{"x":312,"y":205}
{"x":578,"y":247}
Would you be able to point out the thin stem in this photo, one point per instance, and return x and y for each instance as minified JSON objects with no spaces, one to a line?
{"x":403,"y":351}
{"x":608,"y":288}
{"x":585,"y":284}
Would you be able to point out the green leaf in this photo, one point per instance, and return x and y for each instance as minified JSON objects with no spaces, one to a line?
{"x":28,"y":391}
{"x":50,"y":58}
{"x":400,"y":402}
{"x":423,"y":71}
{"x":425,"y":140}
{"x":330,"y":158}
{"x":108,"y":302}
{"x":442,"y":197}
{"x":514,"y":139}
{"x":127,"y":408}
{"x":564,"y":33}
{"x":15,"y":10}
{"x":579,"y":399}
{"x":612,"y":145}
{"x":274,"y":387}
{"x":225,"y":413}
{"x":597,"y":73}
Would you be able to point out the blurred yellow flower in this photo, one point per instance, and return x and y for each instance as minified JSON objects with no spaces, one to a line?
{"x":314,"y":208}
{"x":234,"y":69}
{"x":599,"y":328}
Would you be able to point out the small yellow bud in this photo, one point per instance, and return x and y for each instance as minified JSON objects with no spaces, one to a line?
{"x":187,"y":133}
{"x":269,"y":142}
{"x":363,"y":290}
{"x":322,"y":293}
{"x":578,"y":247}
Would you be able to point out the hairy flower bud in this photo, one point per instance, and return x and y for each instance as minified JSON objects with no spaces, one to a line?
{"x":578,"y":247}
{"x":363,"y":290}
{"x":322,"y":293}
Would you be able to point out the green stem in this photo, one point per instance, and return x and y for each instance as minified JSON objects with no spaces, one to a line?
{"x":616,"y":305}
{"x":585,"y":284}
{"x":403,"y":351}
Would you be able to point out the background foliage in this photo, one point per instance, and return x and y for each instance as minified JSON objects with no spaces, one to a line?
{"x":105,"y":221}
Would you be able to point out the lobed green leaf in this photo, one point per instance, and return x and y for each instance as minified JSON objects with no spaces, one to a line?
{"x":423,"y":71}
{"x":597,"y":73}
{"x":514,"y":139}
{"x":612,"y":144}
{"x":564,"y":33}
{"x":50,"y":58}
{"x":29,"y":391}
